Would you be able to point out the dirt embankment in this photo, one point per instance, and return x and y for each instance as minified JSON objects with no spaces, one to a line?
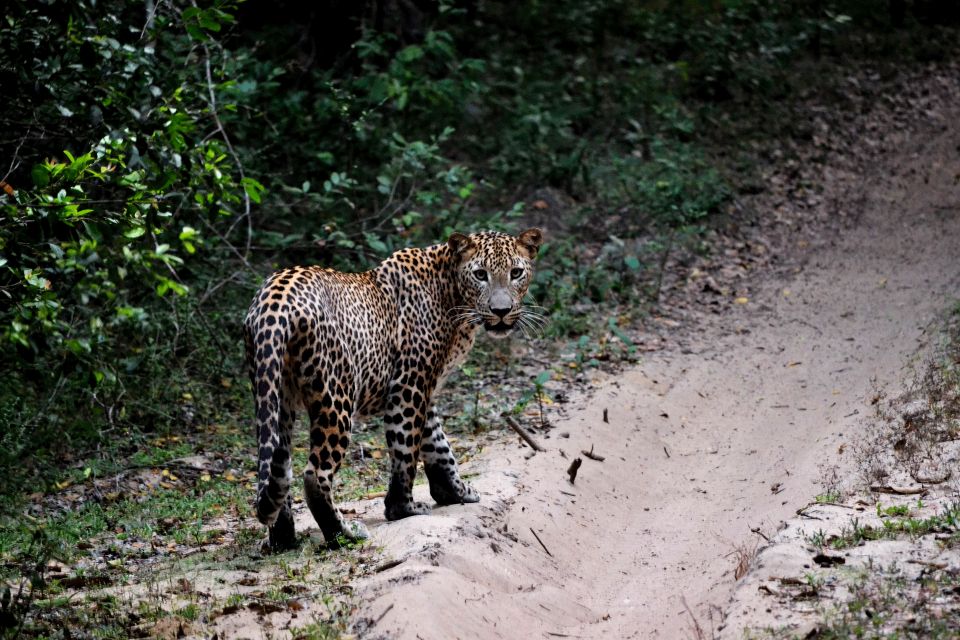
{"x":729,"y":432}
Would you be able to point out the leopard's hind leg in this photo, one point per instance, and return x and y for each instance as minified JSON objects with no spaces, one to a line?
{"x":330,"y":425}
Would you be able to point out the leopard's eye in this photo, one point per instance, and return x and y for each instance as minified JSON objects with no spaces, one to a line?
{"x":480,"y":274}
{"x":516,"y":273}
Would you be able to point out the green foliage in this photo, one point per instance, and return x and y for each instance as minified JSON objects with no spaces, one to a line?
{"x":166,"y":155}
{"x":121,"y":183}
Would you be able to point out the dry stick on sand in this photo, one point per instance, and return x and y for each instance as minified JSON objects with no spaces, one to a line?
{"x":900,"y":491}
{"x":513,"y":424}
{"x":389,"y":564}
{"x":590,"y":454}
{"x":382,"y":615}
{"x":541,"y":542}
{"x":572,"y":471}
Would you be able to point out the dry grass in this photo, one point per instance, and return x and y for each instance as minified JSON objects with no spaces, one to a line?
{"x":744,"y":553}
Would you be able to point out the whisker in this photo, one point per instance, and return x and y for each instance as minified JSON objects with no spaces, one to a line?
{"x":538,"y":321}
{"x":529,"y":328}
{"x":464,"y":315}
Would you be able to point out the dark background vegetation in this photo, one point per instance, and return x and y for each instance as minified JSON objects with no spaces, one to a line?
{"x":160,"y":157}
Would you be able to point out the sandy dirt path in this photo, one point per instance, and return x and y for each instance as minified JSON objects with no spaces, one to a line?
{"x":702,"y":444}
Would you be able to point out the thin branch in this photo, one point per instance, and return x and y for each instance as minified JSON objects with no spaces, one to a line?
{"x":15,"y":160}
{"x":212,"y":97}
{"x":240,"y":256}
{"x":151,"y":15}
{"x":213,"y":289}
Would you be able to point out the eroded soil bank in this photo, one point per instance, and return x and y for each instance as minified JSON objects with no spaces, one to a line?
{"x":730,"y":430}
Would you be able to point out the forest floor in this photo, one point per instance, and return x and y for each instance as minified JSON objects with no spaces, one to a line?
{"x":756,"y":392}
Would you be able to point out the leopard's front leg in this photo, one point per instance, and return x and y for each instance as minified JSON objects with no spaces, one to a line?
{"x":405,"y":417}
{"x":446,"y":487}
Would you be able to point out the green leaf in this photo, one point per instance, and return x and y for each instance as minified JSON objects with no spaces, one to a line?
{"x":543,"y":378}
{"x":376,"y":243}
{"x":134,"y":232}
{"x":40,"y":175}
{"x":195,"y":32}
{"x":253,"y":189}
{"x":132,"y":179}
{"x":409,"y":54}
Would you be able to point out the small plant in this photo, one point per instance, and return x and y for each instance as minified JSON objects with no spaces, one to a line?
{"x":190,"y":612}
{"x":895,"y":510}
{"x":583,"y":354}
{"x":813,"y":580}
{"x":853,"y":535}
{"x":830,"y":497}
{"x":538,"y":383}
{"x":818,"y":539}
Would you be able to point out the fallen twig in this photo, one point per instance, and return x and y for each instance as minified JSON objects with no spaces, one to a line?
{"x":541,"y":542}
{"x":900,"y":491}
{"x":757,"y":531}
{"x":665,"y":450}
{"x":382,"y":615}
{"x":605,"y":415}
{"x":828,"y":504}
{"x":932,"y":565}
{"x":572,"y":471}
{"x":389,"y":564}
{"x":590,"y":454}
{"x":513,"y":424}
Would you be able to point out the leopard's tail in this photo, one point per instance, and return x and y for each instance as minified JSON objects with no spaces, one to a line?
{"x":265,"y":349}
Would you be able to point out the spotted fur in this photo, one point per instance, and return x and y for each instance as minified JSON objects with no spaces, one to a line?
{"x":342,"y":345}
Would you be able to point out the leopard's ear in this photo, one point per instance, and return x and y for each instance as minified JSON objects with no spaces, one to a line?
{"x":530,"y":240}
{"x":461,"y":245}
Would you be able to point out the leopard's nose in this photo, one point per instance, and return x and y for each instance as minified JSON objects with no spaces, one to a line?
{"x":500,"y":304}
{"x":500,"y":312}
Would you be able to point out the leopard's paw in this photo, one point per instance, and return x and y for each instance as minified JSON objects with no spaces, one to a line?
{"x":406,"y":509}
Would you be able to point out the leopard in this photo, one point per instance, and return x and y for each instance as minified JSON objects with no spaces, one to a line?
{"x":348,"y":346}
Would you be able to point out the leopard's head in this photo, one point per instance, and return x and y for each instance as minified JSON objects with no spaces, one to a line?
{"x":493,"y":272}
